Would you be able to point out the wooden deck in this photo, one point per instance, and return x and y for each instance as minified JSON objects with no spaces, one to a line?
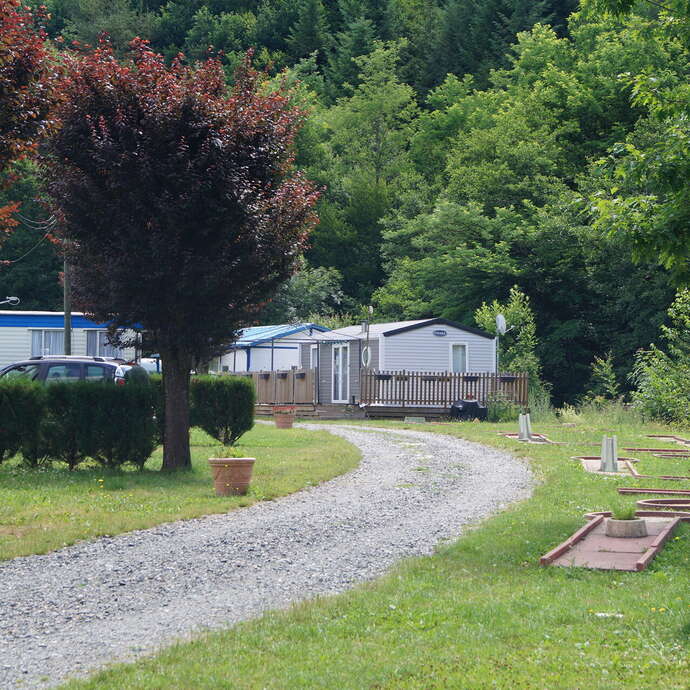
{"x":439,"y":388}
{"x":392,"y":394}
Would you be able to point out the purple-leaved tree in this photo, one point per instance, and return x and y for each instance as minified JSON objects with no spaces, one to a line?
{"x":179,"y":202}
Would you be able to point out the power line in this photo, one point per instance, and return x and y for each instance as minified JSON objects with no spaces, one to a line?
{"x":50,"y":224}
{"x":36,"y":224}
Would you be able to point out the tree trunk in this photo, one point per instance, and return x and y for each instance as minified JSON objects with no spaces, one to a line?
{"x":176,"y":368}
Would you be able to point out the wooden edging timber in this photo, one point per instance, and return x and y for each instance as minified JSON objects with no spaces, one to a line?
{"x":552,"y":555}
{"x":662,"y":492}
{"x":666,"y":477}
{"x":673,"y":437}
{"x":668,"y":451}
{"x":660,"y":540}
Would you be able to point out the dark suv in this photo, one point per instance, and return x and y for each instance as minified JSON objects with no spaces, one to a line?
{"x":58,"y":368}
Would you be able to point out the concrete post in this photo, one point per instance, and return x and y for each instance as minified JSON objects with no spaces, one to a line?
{"x":522,"y":426}
{"x":609,"y":454}
{"x":528,"y":427}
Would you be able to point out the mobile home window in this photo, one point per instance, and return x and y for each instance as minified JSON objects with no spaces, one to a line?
{"x":97,"y":345}
{"x":459,"y":359}
{"x":47,"y":343}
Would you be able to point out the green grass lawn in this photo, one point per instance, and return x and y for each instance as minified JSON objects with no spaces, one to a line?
{"x":481,"y":613}
{"x":41,"y":510}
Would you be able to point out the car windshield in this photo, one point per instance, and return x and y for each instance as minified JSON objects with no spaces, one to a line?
{"x":28,"y":372}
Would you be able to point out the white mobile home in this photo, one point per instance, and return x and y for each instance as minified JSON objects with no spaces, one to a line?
{"x":25,"y":334}
{"x":424,"y":345}
{"x":269,"y":348}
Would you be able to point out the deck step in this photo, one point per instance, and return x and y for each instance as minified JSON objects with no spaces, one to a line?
{"x":334,"y":411}
{"x":399,"y":413}
{"x":303,"y":410}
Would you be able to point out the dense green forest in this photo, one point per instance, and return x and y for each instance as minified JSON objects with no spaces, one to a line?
{"x":463,"y":146}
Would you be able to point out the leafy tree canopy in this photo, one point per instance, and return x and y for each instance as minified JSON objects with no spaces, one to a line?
{"x":179,"y":203}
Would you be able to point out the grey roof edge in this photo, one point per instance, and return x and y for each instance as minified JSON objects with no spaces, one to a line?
{"x":440,"y":322}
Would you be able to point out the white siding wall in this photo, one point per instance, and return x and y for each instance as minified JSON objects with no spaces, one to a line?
{"x":79,"y":342}
{"x":15,"y":344}
{"x":260,"y":359}
{"x":420,"y":350}
{"x":282,"y":359}
{"x":235,"y":360}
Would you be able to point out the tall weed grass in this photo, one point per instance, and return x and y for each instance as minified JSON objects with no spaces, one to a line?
{"x":610,"y":413}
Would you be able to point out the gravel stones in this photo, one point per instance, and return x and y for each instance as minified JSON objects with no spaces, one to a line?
{"x":75,"y":610}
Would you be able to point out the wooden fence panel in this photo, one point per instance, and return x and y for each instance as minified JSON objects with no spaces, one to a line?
{"x":439,"y":388}
{"x":294,"y":386}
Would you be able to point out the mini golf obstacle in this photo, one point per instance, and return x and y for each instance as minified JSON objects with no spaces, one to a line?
{"x":525,"y":433}
{"x":591,"y":547}
{"x":625,"y":468}
{"x":593,"y":463}
{"x":609,"y":454}
{"x":610,"y":464}
{"x":679,"y":506}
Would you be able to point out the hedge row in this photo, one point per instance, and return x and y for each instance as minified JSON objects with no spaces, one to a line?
{"x":113,"y":425}
{"x":70,"y":422}
{"x":223,"y":406}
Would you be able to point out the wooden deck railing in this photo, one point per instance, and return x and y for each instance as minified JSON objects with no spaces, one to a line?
{"x":292,"y":386}
{"x":439,"y":388}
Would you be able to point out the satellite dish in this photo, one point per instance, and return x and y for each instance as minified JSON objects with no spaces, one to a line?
{"x":501,"y":326}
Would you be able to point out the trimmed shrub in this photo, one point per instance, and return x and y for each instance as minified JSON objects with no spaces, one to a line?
{"x":111,"y":424}
{"x":69,"y":428}
{"x":137,"y":375}
{"x":22,"y":408}
{"x":125,"y":424}
{"x":223,"y":406}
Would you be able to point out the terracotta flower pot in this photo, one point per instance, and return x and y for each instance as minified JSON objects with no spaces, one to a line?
{"x":231,"y":476}
{"x":284,"y":421}
{"x":284,"y":417}
{"x":626,"y":528}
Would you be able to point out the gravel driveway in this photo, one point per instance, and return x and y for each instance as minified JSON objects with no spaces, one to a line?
{"x":72,"y":611}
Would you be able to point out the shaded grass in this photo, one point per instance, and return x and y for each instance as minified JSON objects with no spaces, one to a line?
{"x":480,"y":613}
{"x":45,"y":509}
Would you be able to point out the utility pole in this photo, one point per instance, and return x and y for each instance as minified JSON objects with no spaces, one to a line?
{"x":67,"y":306}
